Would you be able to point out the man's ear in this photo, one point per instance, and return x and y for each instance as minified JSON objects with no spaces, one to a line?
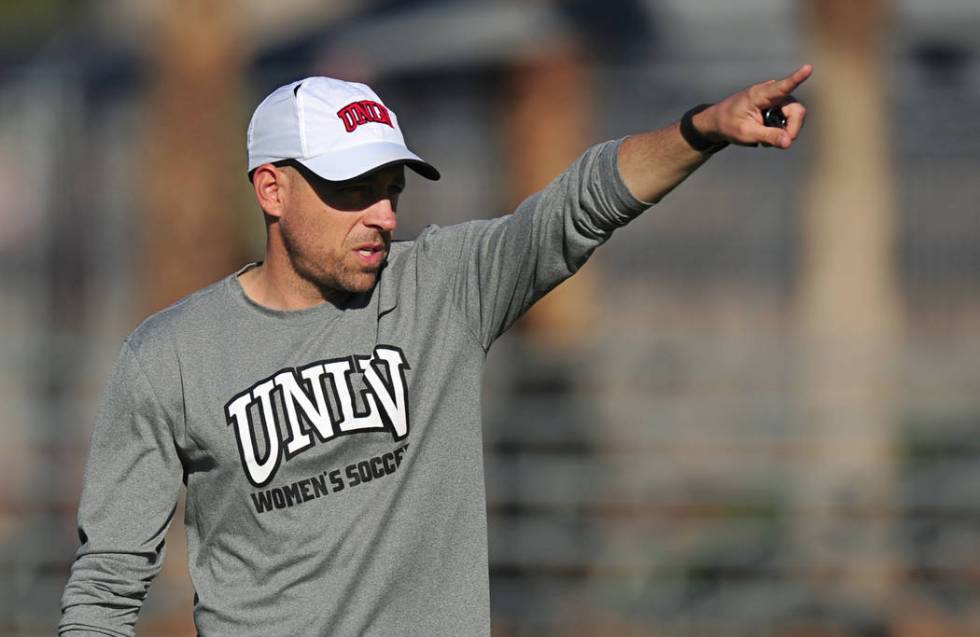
{"x":270,"y":189}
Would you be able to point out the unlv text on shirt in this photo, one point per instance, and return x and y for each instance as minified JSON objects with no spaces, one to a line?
{"x":318,"y":401}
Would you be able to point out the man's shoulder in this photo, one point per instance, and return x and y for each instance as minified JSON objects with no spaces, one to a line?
{"x":399,"y":249}
{"x":432,"y":244}
{"x":435,"y":241}
{"x":198,"y":310}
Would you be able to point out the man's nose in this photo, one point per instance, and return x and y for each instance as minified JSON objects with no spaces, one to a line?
{"x":382,"y":215}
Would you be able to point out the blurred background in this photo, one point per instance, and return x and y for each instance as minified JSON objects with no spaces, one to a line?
{"x":755,"y":412}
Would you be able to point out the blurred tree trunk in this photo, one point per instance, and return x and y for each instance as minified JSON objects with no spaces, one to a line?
{"x":192,"y":195}
{"x":194,"y":149}
{"x":850,"y":309}
{"x":547,"y":126}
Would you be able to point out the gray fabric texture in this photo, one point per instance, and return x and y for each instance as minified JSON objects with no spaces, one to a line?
{"x":332,"y":456}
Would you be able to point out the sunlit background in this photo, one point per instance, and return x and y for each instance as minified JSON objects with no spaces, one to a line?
{"x":755,"y":412}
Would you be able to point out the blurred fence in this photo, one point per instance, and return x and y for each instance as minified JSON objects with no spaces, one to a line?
{"x":648,"y":481}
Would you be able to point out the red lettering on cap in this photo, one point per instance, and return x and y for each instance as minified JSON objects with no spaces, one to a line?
{"x":357,"y":113}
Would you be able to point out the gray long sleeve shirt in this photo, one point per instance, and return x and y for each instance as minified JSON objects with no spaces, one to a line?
{"x":333,"y":455}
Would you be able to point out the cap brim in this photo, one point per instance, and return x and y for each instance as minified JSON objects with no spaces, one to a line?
{"x":354,"y":162}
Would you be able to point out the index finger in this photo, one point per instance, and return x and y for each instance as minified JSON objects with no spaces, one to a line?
{"x":785,"y":86}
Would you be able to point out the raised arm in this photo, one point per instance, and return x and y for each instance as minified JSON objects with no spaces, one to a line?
{"x":499,"y":268}
{"x":654,"y":163}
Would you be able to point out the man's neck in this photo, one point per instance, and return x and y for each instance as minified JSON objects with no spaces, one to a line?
{"x":269,"y":286}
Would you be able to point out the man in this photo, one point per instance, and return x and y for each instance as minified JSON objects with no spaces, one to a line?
{"x":322,"y":406}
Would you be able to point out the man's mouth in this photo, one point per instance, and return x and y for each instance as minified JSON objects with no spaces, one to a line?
{"x":371,"y":254}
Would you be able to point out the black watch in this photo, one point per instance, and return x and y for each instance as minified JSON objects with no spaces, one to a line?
{"x":693,"y":136}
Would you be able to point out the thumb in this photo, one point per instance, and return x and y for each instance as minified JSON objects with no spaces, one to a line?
{"x":778,"y":137}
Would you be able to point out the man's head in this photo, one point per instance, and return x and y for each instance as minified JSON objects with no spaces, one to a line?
{"x":334,"y":234}
{"x":326,"y":159}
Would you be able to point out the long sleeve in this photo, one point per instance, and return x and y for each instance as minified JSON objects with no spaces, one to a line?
{"x":504,"y":265}
{"x":129,"y":495}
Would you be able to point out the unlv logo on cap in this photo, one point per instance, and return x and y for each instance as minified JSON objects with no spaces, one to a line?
{"x":357,"y":113}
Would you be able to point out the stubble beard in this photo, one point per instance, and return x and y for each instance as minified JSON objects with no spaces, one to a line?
{"x":334,"y":278}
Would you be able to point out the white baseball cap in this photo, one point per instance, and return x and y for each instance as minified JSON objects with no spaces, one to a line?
{"x":337,"y":129}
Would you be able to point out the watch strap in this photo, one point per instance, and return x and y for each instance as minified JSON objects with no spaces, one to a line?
{"x":693,"y":136}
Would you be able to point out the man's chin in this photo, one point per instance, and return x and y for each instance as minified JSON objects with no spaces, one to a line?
{"x":362,"y":282}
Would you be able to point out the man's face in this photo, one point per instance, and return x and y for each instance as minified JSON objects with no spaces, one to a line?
{"x":337,"y":234}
